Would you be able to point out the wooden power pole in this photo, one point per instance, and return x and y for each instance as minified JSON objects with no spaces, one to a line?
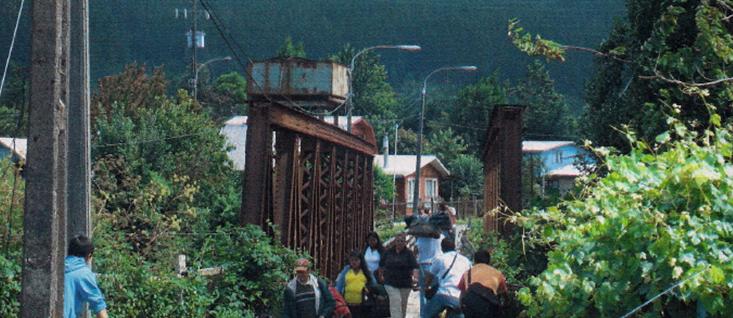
{"x":44,"y":233}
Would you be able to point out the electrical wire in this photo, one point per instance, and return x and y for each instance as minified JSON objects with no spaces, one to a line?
{"x":231,"y":43}
{"x":147,"y":141}
{"x":12,"y":44}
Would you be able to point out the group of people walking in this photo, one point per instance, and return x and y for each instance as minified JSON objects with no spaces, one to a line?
{"x":377,"y":281}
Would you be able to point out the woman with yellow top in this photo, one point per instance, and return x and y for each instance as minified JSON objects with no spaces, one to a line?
{"x":353,"y":282}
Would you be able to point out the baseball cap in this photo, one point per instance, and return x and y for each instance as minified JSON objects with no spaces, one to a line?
{"x":302,"y":265}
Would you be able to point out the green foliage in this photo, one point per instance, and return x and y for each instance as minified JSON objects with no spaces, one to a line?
{"x":373,"y":96}
{"x":536,"y":46}
{"x":134,"y":287}
{"x":11,"y":219}
{"x":472,"y":111}
{"x":255,"y":269}
{"x":160,"y":165}
{"x":467,"y":175}
{"x":10,"y":239}
{"x":389,"y":230}
{"x":225,"y":98}
{"x":383,"y":186}
{"x":661,"y":45}
{"x":10,"y":270}
{"x":661,"y":215}
{"x":290,"y":49}
{"x":546,"y":116}
{"x":8,"y":121}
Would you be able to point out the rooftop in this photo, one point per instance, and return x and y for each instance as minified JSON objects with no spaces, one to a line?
{"x":533,"y":146}
{"x":404,"y":165}
{"x":20,"y":146}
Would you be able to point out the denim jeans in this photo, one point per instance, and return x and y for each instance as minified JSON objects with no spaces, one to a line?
{"x":439,"y":302}
{"x":424,"y":268}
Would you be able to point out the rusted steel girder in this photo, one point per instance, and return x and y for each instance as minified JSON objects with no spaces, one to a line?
{"x":310,"y":179}
{"x":502,"y":158}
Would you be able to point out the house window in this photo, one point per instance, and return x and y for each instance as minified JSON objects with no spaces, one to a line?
{"x":558,"y":156}
{"x":410,"y":191}
{"x":431,"y":188}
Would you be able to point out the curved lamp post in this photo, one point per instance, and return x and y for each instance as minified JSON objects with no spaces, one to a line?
{"x":408,"y":48}
{"x":196,"y":73}
{"x":416,"y":192}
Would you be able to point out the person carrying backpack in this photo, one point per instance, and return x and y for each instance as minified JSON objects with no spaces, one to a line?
{"x":446,"y":271}
{"x":480,"y":287}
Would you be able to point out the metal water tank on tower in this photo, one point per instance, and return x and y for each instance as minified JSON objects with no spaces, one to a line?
{"x":299,"y":82}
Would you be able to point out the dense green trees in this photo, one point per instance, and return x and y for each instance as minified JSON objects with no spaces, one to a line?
{"x":373,"y":96}
{"x":163,"y":186}
{"x":546,"y":116}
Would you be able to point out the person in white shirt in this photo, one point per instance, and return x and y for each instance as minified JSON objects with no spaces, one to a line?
{"x":448,"y":269}
{"x":373,"y":253}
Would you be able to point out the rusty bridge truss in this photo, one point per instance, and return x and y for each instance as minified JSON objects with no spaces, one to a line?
{"x":502,"y":159}
{"x":310,"y":179}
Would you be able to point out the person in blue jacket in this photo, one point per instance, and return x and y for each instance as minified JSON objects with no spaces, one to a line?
{"x":80,"y":284}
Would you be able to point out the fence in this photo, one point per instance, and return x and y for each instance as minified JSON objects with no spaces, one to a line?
{"x":464,"y":208}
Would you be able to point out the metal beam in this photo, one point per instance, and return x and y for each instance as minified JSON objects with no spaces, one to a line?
{"x":310,"y":126}
{"x":258,"y":168}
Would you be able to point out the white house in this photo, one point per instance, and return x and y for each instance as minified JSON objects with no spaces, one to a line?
{"x":14,"y":147}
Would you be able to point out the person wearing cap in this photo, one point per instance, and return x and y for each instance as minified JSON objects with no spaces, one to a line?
{"x":307,"y":296}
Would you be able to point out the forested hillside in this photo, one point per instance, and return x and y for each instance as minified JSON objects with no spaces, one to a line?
{"x":450,"y":32}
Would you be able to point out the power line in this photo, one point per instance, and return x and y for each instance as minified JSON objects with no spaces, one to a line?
{"x":148,"y":140}
{"x":230,"y":42}
{"x":12,"y":44}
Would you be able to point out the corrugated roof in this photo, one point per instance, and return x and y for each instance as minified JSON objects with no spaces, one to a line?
{"x":236,"y":120}
{"x":21,"y":145}
{"x":531,"y":146}
{"x":403,"y":165}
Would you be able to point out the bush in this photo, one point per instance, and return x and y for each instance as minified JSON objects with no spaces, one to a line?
{"x":134,"y":287}
{"x":9,"y":287}
{"x":255,"y":270}
{"x":662,"y":215}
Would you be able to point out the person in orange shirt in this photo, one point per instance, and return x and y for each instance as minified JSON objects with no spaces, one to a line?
{"x":480,"y":287}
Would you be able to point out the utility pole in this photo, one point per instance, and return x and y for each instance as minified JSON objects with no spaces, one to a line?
{"x":79,"y":219}
{"x":394,"y":176}
{"x":44,"y":220}
{"x":194,"y":44}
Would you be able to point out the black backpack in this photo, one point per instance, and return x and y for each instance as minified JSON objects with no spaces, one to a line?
{"x":479,"y":301}
{"x":441,"y":220}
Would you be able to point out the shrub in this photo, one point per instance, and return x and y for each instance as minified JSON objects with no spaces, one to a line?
{"x":255,"y":269}
{"x":662,"y":215}
{"x":9,"y":287}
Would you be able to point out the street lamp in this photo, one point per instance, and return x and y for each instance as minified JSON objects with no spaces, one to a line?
{"x":196,"y":73}
{"x":349,"y":101}
{"x":416,"y":192}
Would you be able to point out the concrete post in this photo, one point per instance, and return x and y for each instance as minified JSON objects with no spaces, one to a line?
{"x":45,"y":202}
{"x":79,"y":214}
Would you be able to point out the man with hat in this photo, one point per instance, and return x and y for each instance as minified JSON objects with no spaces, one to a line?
{"x":306,"y":296}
